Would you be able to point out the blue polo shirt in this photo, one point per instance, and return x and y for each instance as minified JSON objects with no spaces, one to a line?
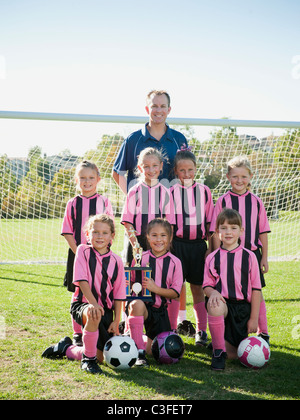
{"x":132,"y":146}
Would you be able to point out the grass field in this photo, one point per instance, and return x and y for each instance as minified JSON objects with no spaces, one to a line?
{"x":40,"y":240}
{"x":34,"y":314}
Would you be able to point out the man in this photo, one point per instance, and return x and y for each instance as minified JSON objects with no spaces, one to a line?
{"x":157,"y":134}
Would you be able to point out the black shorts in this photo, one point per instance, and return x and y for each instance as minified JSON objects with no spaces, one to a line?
{"x":68,"y":279}
{"x":157,"y":321}
{"x":236,"y":321}
{"x":192,"y":257}
{"x":236,"y":328}
{"x":257,"y":253}
{"x":77,"y":309}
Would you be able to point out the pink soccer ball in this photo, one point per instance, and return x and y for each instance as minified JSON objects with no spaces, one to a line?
{"x":167,"y":348}
{"x":254,"y":352}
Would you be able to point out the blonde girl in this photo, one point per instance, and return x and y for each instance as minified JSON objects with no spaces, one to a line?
{"x":97,"y":302}
{"x":78,"y":210}
{"x":145,"y":201}
{"x":254,"y":220}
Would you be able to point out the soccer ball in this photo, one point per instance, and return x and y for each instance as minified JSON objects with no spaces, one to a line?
{"x":254,"y":352}
{"x":120,"y":352}
{"x":167,"y":347}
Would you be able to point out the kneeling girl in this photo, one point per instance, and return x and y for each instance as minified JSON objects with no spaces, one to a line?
{"x":165,"y":284}
{"x":100,"y":289}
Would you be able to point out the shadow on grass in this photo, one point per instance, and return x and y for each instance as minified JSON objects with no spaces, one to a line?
{"x":30,"y":281}
{"x":192,"y":378}
{"x":41,"y":273}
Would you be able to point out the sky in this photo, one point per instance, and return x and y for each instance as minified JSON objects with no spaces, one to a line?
{"x":235,"y":59}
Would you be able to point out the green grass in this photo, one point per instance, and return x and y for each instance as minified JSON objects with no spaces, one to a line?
{"x":34,"y":310}
{"x":40,"y":240}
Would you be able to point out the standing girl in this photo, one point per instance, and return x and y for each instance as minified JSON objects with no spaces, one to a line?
{"x":77,"y":213}
{"x":165,"y":284}
{"x":254,"y":219}
{"x":100,"y":280}
{"x":146,"y":200}
{"x":193,"y":209}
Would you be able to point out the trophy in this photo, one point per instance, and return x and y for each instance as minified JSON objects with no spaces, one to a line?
{"x":134,"y":277}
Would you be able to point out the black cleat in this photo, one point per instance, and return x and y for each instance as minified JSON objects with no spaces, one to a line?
{"x":58,"y":351}
{"x":186,"y":328}
{"x":77,"y":340}
{"x":142,"y":360}
{"x":218,"y":360}
{"x":90,"y":365}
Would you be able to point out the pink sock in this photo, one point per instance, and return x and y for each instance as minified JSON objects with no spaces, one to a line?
{"x":262,"y":319}
{"x":136,"y":326}
{"x":201,"y":316}
{"x":74,"y":352}
{"x":90,"y":343}
{"x":173,"y":311}
{"x":217,"y":330}
{"x":77,"y":329}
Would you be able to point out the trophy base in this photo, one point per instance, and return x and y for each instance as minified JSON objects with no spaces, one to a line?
{"x":144,"y":298}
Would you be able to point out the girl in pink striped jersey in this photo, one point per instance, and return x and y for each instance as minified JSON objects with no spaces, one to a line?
{"x":77,"y":213}
{"x":146,"y":200}
{"x":96,"y":304}
{"x":233,"y":289}
{"x":193,"y":211}
{"x":165,"y":284}
{"x":254,"y":220}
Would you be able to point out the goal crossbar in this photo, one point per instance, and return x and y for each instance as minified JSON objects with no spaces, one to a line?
{"x":52,"y":116}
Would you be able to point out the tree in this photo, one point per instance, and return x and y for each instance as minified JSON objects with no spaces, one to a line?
{"x":287,"y":167}
{"x":8,"y":187}
{"x":31,"y":201}
{"x":62,"y":186}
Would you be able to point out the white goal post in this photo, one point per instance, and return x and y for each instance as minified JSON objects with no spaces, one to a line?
{"x":34,"y":190}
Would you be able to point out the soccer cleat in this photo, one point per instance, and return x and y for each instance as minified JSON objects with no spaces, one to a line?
{"x":58,"y":351}
{"x":122,"y":327}
{"x":218,"y":360}
{"x":142,"y":360}
{"x":77,"y":340}
{"x":90,"y":365}
{"x":186,"y":328}
{"x":265,"y":336}
{"x":201,"y":338}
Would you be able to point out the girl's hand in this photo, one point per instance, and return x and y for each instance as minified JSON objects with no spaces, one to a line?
{"x":114,"y":328}
{"x":264,"y":265}
{"x":215,"y":299}
{"x":149,"y":284}
{"x":252,"y":326}
{"x":95,"y":312}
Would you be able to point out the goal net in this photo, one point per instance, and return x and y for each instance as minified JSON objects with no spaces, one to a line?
{"x":34,"y":190}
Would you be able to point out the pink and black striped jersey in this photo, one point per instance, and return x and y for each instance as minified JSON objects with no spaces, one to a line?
{"x":78,"y":211}
{"x":144,"y":203}
{"x":234,"y":273}
{"x":166,"y":273}
{"x":253,"y":213}
{"x":193,"y":210}
{"x":104,"y":273}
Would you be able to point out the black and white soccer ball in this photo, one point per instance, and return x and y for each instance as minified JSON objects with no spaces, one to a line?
{"x":120,"y":352}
